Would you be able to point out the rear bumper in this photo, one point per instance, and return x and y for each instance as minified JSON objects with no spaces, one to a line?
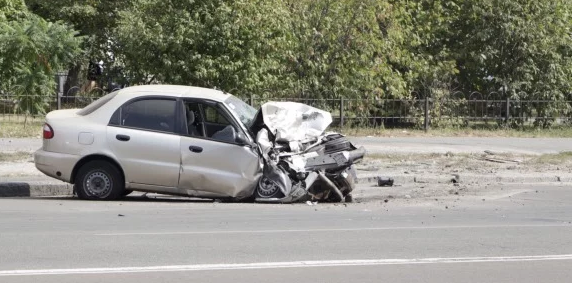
{"x":55,"y":165}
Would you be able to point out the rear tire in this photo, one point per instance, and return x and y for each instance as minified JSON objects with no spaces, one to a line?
{"x":99,"y":180}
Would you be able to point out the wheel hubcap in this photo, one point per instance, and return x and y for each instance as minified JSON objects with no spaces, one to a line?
{"x":267,"y":187}
{"x":98,"y":184}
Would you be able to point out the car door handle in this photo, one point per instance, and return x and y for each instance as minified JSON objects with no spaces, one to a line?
{"x":196,"y":149}
{"x":123,"y":137}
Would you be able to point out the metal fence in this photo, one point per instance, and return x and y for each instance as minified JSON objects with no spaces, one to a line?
{"x":470,"y":111}
{"x":425,"y":113}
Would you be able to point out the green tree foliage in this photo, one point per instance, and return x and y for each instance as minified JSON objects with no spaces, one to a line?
{"x":12,"y":9}
{"x":358,"y":49}
{"x":521,"y":45}
{"x":430,"y":59}
{"x":31,"y":51}
{"x":95,"y":20}
{"x":346,"y":48}
{"x":232,"y":45}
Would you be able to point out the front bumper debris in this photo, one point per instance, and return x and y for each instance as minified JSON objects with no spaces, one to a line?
{"x":301,"y":161}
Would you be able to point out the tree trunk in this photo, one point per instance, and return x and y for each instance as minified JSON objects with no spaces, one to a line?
{"x":73,"y":81}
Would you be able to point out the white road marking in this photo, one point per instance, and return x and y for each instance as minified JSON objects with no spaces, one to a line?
{"x":329,"y":230}
{"x":290,"y":264}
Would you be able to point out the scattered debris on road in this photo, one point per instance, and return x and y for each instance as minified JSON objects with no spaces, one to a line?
{"x":385,"y":181}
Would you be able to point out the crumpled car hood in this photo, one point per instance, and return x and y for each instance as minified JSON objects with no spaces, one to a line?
{"x":295,"y":122}
{"x":300,"y":158}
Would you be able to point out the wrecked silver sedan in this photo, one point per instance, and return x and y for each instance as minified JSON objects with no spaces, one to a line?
{"x":197,"y":142}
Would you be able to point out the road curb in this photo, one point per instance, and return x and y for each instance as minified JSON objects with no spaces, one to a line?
{"x":34,"y":189}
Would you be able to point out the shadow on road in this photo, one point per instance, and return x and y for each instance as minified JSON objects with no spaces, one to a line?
{"x":162,"y":199}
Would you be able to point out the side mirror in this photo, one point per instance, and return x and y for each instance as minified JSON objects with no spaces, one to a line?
{"x":242,"y":139}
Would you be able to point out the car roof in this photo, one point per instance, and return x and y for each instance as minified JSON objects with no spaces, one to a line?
{"x":175,"y":90}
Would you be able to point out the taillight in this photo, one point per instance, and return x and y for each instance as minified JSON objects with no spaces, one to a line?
{"x":48,"y":132}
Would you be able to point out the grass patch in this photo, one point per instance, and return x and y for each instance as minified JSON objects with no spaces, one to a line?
{"x":553,"y":159}
{"x":15,"y":156}
{"x":11,"y":129}
{"x":563,"y":158}
{"x":557,"y":132}
{"x":15,"y":118}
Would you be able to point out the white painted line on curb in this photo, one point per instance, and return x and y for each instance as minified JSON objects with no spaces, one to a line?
{"x":291,"y":264}
{"x":328,"y":230}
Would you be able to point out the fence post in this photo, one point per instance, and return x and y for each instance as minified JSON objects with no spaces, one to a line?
{"x":252,"y":100}
{"x":341,"y":112}
{"x":59,"y":98}
{"x":426,"y":108}
{"x":507,"y":115}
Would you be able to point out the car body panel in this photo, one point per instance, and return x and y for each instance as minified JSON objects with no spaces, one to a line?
{"x":150,"y":158}
{"x":50,"y":163}
{"x":223,"y":169}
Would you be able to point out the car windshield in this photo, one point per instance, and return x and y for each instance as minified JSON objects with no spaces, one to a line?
{"x":241,"y":110}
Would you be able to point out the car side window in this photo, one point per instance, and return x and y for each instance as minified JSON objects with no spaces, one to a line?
{"x":209,"y":121}
{"x":213,"y":115}
{"x":148,"y":114}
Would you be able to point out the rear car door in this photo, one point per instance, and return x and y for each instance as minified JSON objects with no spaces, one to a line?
{"x":212,"y":160}
{"x":143,"y":136}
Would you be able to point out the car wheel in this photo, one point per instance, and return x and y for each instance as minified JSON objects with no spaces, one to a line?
{"x":346,"y":184}
{"x":268,"y":189}
{"x":99,"y":180}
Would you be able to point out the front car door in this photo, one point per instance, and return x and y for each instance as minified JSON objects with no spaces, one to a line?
{"x":213,"y":163}
{"x":143,"y":135}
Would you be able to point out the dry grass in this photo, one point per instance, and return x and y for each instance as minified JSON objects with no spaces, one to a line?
{"x":553,"y":159}
{"x":561,"y":132}
{"x":526,"y":160}
{"x":20,"y":130}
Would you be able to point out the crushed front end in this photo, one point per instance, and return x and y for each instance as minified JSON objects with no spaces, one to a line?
{"x":302,"y":161}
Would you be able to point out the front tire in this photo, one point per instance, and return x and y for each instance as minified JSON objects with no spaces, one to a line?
{"x":267,"y":189}
{"x":347,"y":184}
{"x":99,"y":180}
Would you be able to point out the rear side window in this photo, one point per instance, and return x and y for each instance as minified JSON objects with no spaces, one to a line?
{"x":147,"y":114}
{"x":97,"y":104}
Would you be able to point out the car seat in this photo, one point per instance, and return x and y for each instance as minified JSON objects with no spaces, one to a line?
{"x":191,"y":124}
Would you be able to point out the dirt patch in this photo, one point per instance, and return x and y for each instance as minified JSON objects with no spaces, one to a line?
{"x":15,"y":164}
{"x":14,"y":156}
{"x":486,"y":163}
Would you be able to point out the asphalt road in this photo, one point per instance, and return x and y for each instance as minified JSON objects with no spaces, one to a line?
{"x":522,"y":237}
{"x":402,"y":145}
